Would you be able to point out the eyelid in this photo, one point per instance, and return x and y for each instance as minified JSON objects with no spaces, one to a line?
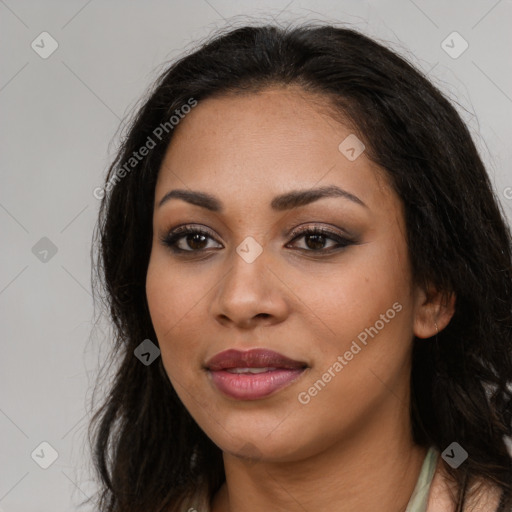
{"x":329,"y":229}
{"x":286,"y":233}
{"x":341,"y":239}
{"x":182,"y":230}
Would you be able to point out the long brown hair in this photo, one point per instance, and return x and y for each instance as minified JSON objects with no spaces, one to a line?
{"x":149,"y":453}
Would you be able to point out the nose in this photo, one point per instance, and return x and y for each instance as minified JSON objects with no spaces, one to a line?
{"x":250,"y":294}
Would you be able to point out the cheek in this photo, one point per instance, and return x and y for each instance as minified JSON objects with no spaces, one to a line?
{"x":173,"y":306}
{"x":173,"y":291}
{"x":353,"y":294}
{"x":367,"y":304}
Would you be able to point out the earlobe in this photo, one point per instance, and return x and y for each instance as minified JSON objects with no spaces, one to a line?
{"x":434,"y":310}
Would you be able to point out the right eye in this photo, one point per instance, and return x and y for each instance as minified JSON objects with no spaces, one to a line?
{"x":194,"y":238}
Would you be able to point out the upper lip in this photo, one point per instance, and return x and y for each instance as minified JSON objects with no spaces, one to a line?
{"x":255,"y":358}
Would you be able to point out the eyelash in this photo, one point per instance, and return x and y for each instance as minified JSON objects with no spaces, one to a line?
{"x":170,"y":240}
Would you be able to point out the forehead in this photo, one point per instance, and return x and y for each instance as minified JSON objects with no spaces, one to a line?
{"x":266,"y":143}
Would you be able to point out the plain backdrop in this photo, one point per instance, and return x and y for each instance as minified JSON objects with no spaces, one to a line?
{"x":59,"y":123}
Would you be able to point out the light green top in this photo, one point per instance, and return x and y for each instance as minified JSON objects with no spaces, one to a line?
{"x":419,"y":497}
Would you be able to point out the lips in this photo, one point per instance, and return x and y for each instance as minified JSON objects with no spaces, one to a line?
{"x":253,"y":374}
{"x":257,"y":358}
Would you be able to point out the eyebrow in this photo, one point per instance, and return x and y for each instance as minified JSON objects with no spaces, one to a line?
{"x":287,"y":201}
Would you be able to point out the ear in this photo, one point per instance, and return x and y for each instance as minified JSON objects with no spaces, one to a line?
{"x":432,"y":307}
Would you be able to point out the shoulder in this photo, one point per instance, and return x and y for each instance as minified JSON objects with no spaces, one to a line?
{"x":483,"y":496}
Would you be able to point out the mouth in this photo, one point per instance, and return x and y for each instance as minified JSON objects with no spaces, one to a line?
{"x":253,"y":374}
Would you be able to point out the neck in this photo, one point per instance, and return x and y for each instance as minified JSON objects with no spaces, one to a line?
{"x":375,"y":469}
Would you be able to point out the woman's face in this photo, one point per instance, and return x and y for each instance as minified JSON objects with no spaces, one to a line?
{"x":343,"y":307}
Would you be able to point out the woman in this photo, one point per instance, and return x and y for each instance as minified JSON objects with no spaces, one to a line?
{"x":310,"y":280}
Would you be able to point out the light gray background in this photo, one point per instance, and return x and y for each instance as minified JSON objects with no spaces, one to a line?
{"x":58,"y":132}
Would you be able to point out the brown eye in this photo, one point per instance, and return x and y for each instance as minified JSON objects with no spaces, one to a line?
{"x":316,"y":239}
{"x":187,"y":239}
{"x":195,"y":241}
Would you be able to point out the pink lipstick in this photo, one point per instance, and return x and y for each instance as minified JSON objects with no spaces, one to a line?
{"x":252,"y":374}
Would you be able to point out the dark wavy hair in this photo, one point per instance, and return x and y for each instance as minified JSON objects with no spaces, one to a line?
{"x":148,"y":452}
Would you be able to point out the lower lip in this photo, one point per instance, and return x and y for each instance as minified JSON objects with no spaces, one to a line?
{"x":252,"y":386}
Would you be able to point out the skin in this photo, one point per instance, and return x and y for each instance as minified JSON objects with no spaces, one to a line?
{"x":280,"y":454}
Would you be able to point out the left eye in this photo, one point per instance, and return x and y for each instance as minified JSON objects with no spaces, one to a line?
{"x":197,"y":240}
{"x":315,"y":239}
